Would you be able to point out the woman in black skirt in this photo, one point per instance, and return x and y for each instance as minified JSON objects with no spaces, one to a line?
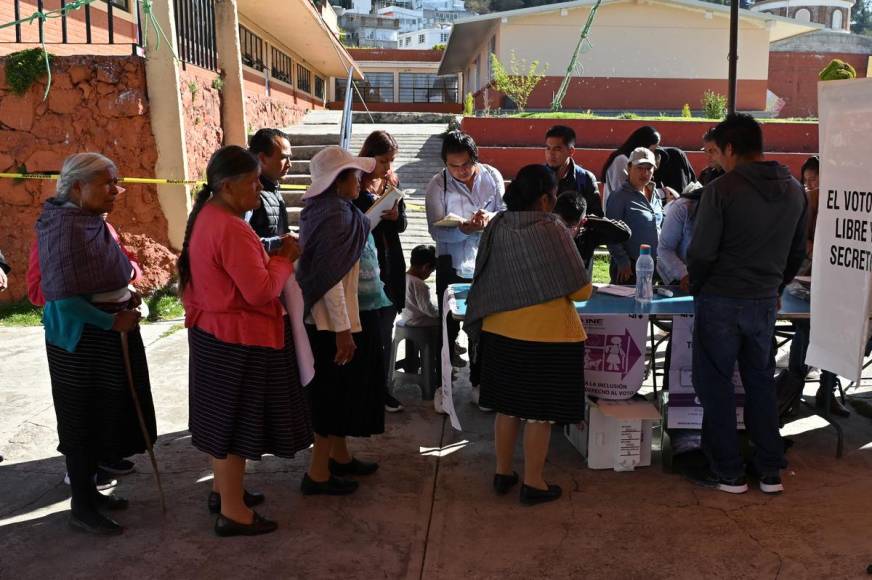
{"x":245,"y":394}
{"x":342,"y":291}
{"x":89,"y":304}
{"x":381,"y":146}
{"x":529,"y":337}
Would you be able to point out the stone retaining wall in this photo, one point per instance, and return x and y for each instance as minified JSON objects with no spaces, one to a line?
{"x":95,"y":104}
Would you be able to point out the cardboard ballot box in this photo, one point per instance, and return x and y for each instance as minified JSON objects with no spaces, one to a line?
{"x":615,"y":434}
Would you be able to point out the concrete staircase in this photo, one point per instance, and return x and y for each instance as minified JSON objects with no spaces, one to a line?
{"x":416,"y":163}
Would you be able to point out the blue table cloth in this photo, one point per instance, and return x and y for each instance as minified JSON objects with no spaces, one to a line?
{"x":660,"y":307}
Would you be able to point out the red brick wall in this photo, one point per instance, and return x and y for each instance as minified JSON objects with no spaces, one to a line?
{"x":793,"y":76}
{"x":285,"y":106}
{"x":636,"y":94}
{"x":395,"y":54}
{"x":95,"y":104}
{"x":202,"y":116}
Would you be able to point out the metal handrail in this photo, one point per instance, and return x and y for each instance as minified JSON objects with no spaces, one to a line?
{"x":345,"y":124}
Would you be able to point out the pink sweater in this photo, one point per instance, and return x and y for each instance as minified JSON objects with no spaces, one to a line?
{"x":235,"y":285}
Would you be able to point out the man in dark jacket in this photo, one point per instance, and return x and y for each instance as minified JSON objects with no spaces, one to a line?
{"x":270,"y":220}
{"x":559,"y":149}
{"x":749,"y":241}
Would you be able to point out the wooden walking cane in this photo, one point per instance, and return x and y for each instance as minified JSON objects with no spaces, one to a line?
{"x":125,"y":349}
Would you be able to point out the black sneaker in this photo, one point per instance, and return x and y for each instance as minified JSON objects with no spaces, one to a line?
{"x":392,"y":405}
{"x":250,"y":499}
{"x":120,"y":467}
{"x":110,"y":502}
{"x":771,"y":484}
{"x":706,"y":478}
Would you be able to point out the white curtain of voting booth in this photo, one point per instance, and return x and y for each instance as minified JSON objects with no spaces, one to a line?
{"x":841,"y":288}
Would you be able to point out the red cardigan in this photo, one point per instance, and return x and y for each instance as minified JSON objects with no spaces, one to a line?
{"x":235,"y":286}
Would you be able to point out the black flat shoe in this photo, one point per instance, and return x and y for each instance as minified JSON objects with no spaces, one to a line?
{"x":333,"y":486}
{"x":250,"y":499}
{"x":225,"y":527}
{"x":353,"y":467}
{"x":113,"y":503}
{"x":533,"y":496}
{"x":95,"y":523}
{"x":504,"y":483}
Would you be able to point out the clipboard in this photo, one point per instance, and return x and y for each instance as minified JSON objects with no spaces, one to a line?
{"x":384,"y":203}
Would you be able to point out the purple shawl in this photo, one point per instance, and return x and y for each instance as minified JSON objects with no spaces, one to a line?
{"x":77,"y":253}
{"x":332,"y":233}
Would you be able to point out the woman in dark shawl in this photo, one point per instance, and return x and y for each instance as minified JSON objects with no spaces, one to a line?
{"x":340,"y":281}
{"x":525,"y":329}
{"x":85,"y":278}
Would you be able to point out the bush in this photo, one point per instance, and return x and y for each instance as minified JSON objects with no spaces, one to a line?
{"x":685,"y":111}
{"x":469,"y":105}
{"x":514,"y":82}
{"x":628,"y":116}
{"x":837,"y":70}
{"x":714,"y":105}
{"x":25,"y":68}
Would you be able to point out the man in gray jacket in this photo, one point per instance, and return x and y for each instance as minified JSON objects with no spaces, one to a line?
{"x":749,"y":241}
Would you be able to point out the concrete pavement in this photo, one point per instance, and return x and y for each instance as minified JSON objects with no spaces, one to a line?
{"x":429,"y":512}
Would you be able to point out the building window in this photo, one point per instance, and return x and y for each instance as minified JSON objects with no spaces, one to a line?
{"x":252,"y":49}
{"x":319,"y":87}
{"x":428,"y":88}
{"x":281,"y":66}
{"x":375,"y":88}
{"x":304,"y":78}
{"x":444,"y":37}
{"x":421,"y":38}
{"x":408,"y":40}
{"x":803,"y":15}
{"x":837,"y":20}
{"x":123,"y":4}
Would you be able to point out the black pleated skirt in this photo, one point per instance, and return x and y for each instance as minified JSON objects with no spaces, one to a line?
{"x":539,"y":381}
{"x":349,"y":400}
{"x":92,"y":398}
{"x":246,"y":400}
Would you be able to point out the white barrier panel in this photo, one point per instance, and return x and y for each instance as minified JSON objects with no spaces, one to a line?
{"x":841,"y":289}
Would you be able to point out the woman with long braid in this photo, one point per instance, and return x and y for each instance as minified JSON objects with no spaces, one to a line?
{"x":245,"y":393}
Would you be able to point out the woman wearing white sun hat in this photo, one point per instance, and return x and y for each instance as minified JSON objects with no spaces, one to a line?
{"x":342,"y":290}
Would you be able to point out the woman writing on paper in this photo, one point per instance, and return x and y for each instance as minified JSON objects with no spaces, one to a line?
{"x":531,"y":345}
{"x":392,"y":265}
{"x":474,"y":192}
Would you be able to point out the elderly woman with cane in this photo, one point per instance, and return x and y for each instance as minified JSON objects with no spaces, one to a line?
{"x":245,"y":394}
{"x":89,"y":308}
{"x":529,"y":337}
{"x":343,"y":292}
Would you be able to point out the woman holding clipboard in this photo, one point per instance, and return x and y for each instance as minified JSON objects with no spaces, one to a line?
{"x":390,"y":224}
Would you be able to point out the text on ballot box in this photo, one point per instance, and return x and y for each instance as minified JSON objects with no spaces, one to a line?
{"x":614,"y":355}
{"x":685,"y":409}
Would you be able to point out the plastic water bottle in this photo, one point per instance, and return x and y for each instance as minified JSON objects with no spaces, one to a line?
{"x":644,"y":275}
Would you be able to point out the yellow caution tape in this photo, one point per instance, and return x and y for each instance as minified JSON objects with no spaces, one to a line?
{"x":141,"y":180}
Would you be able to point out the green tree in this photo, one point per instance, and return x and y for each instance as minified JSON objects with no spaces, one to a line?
{"x":862,"y":13}
{"x":514,"y":82}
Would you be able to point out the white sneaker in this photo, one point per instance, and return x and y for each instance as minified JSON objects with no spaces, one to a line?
{"x":103,"y":480}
